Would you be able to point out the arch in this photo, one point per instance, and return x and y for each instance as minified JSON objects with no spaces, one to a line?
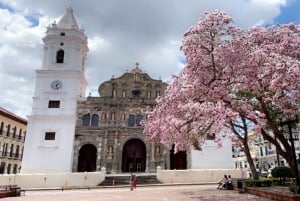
{"x":95,"y":120}
{"x":87,"y":158}
{"x":131,"y":120}
{"x":139,"y":118}
{"x":177,"y":160}
{"x":60,"y":54}
{"x":134,"y":156}
{"x":86,"y":120}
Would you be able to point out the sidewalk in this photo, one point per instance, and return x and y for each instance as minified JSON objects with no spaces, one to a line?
{"x":150,"y":193}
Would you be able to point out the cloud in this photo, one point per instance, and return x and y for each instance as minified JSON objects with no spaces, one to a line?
{"x":120,"y":34}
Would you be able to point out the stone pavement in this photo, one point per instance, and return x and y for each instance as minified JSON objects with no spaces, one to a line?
{"x":149,"y":193}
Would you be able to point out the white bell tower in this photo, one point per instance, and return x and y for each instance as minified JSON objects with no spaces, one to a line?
{"x":59,"y":85}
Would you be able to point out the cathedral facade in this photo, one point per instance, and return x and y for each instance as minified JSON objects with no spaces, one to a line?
{"x":109,"y":131}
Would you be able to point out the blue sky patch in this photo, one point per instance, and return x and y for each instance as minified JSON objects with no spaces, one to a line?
{"x":7,"y":7}
{"x":182,"y":60}
{"x":289,"y":13}
{"x":33,"y":18}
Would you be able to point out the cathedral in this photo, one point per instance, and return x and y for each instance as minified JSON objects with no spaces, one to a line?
{"x":75,"y":133}
{"x":108,"y":130}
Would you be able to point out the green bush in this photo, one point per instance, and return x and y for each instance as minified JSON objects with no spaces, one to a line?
{"x":258,"y":183}
{"x":282,"y":172}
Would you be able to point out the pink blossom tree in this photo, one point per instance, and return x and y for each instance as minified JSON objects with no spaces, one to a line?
{"x":230,"y":75}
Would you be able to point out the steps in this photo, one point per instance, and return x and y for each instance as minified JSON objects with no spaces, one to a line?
{"x":123,"y":180}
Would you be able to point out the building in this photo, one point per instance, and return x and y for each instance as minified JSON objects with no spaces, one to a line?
{"x":78,"y":133}
{"x":12,"y":135}
{"x":262,"y":152}
{"x":109,"y":127}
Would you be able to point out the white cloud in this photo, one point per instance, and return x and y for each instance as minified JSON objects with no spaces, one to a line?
{"x":120,"y":33}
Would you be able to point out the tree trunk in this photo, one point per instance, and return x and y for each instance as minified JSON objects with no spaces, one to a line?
{"x":250,"y":160}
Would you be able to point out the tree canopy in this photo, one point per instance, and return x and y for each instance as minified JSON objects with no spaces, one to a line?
{"x":230,"y":74}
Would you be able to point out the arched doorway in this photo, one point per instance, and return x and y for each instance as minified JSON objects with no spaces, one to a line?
{"x":87,"y":158}
{"x":134,"y":156}
{"x":177,"y":160}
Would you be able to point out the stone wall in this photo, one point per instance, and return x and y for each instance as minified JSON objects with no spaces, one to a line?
{"x":53,"y":180}
{"x":197,"y":176}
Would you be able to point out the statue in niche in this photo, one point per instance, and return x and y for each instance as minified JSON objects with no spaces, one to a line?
{"x":110,"y":150}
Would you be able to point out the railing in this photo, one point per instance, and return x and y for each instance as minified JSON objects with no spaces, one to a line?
{"x":12,"y":136}
{"x":10,"y":155}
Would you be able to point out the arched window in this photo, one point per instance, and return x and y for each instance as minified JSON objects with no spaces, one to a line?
{"x":60,"y":54}
{"x":86,"y":120}
{"x":139,"y":118}
{"x":131,"y":120}
{"x":95,"y":120}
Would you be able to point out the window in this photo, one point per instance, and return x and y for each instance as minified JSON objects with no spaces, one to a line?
{"x":53,"y":104}
{"x":62,"y":33}
{"x":131,"y":120}
{"x":211,"y":137}
{"x":8,"y":168}
{"x":20,"y":133}
{"x":86,"y":120}
{"x":8,"y":130}
{"x":60,"y":54}
{"x":139,"y":118}
{"x":17,"y":151}
{"x":50,"y":136}
{"x":14,"y":132}
{"x":1,"y":128}
{"x":15,"y":169}
{"x":95,"y":119}
{"x":124,"y":93}
{"x":11,"y":150}
{"x":157,"y":93}
{"x":136,"y":93}
{"x":148,"y":94}
{"x":2,"y":167}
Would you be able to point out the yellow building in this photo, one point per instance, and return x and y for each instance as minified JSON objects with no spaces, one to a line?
{"x":12,"y":136}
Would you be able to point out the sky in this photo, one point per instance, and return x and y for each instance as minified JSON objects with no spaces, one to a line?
{"x":120,"y":33}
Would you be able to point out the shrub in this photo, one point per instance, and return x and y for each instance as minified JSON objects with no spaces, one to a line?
{"x":282,"y":172}
{"x":258,"y":183}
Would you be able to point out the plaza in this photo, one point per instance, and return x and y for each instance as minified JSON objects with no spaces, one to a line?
{"x":145,"y":193}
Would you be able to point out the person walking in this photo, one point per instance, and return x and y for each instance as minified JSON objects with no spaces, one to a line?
{"x":132,"y":181}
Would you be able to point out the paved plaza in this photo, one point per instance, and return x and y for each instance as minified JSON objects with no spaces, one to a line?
{"x":149,"y":193}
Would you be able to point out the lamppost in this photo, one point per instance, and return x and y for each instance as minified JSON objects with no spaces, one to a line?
{"x":291,"y":122}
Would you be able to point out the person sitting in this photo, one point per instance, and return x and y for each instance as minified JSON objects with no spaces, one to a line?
{"x":228,"y":185}
{"x":222,"y":182}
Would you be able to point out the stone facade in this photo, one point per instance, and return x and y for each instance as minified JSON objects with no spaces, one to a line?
{"x":109,"y":132}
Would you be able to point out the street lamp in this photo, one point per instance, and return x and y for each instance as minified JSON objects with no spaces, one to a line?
{"x":290,"y":122}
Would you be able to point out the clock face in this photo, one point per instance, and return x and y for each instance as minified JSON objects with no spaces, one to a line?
{"x":56,"y":84}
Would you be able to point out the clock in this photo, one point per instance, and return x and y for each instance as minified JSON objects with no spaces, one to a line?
{"x":56,"y":84}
